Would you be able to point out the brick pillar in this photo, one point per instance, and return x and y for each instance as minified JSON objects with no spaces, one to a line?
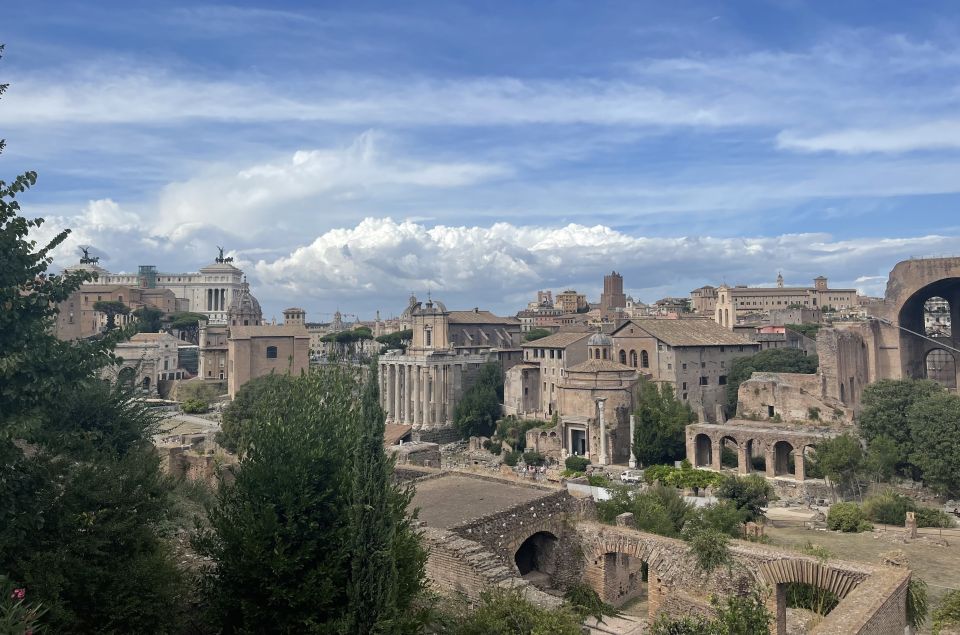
{"x":716,"y":452}
{"x":743,"y":461}
{"x":653,"y":593}
{"x":777,"y":605}
{"x":691,"y":449}
{"x":799,"y":465}
{"x":771,"y":461}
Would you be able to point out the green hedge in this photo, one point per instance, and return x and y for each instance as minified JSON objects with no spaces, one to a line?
{"x":576,"y":463}
{"x":682,"y":477}
{"x":847,"y":517}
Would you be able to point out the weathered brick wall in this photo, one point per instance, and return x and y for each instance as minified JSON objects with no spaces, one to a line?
{"x":878,"y":606}
{"x":457,"y":565}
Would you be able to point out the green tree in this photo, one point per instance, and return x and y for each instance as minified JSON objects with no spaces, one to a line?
{"x":884,"y":408}
{"x":882,"y":457}
{"x":709,"y":547}
{"x":479,"y":409}
{"x":399,"y":339}
{"x":841,"y":459}
{"x":774,"y":360}
{"x":82,"y":501}
{"x":661,"y":420}
{"x":750,"y":494}
{"x":947,"y":612}
{"x":187,"y":323}
{"x":935,"y":425}
{"x":149,"y":319}
{"x":254,"y":401}
{"x":286,"y":536}
{"x":536,"y":334}
{"x":111,"y":308}
{"x":387,"y":562}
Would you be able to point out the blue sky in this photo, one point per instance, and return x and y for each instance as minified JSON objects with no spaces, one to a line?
{"x":349,"y":153}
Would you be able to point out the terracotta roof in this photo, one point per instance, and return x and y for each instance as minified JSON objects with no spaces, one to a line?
{"x":557,"y":340}
{"x":268,"y":330}
{"x":689,"y":332}
{"x":393,"y":432}
{"x":600,"y":365}
{"x":480,"y":317}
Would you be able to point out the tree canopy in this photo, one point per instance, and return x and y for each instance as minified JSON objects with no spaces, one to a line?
{"x":935,"y":425}
{"x":479,"y":409}
{"x":661,"y":419}
{"x":536,"y":334}
{"x":884,"y":408}
{"x":313,"y":536}
{"x":774,"y":360}
{"x":111,"y":308}
{"x":398,"y":339}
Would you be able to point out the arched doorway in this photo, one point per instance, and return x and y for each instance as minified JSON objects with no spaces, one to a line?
{"x":942,"y":368}
{"x":756,"y":459}
{"x":783,"y":462}
{"x":146,"y":383}
{"x":729,"y":453}
{"x":536,"y":559}
{"x":127,"y":376}
{"x":703,"y":451}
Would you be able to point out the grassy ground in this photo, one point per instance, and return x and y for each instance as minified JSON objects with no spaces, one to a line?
{"x":938,"y":566}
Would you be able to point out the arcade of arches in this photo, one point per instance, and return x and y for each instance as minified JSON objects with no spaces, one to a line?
{"x":746,"y":447}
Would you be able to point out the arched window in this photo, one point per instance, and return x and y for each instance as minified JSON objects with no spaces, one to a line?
{"x":644,"y":359}
{"x":633,"y":358}
{"x":271,"y":352}
{"x":623,"y":357}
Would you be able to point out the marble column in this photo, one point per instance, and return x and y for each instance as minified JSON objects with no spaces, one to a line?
{"x":396,"y":393}
{"x":417,"y":403}
{"x":427,"y":397}
{"x":408,"y":394}
{"x":388,"y":392}
{"x":633,"y":430}
{"x":603,"y":433}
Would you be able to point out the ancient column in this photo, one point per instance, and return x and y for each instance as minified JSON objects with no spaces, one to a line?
{"x":717,"y":452}
{"x":633,"y":429}
{"x":771,"y":461}
{"x":437,"y":394}
{"x":417,"y":403}
{"x":388,"y":390}
{"x":428,"y":389}
{"x":603,"y":433}
{"x":799,"y":465}
{"x":396,"y":393}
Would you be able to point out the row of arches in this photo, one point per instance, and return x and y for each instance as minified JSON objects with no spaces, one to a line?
{"x":780,"y":458}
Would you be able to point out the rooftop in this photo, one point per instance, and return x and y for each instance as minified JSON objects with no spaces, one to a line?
{"x":557,"y":340}
{"x":600,"y":365}
{"x":452,"y":500}
{"x":479,"y":317}
{"x":688,"y":332}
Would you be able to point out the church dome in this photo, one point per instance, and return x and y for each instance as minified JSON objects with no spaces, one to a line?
{"x":600,"y":339}
{"x":244,"y":309}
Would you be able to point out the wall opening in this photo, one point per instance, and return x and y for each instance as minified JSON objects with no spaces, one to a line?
{"x":783,"y":462}
{"x":703,"y":451}
{"x":756,"y":459}
{"x":729,"y":456}
{"x":936,"y":317}
{"x":536,"y":559}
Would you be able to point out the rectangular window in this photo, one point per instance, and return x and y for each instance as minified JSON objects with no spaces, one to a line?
{"x":703,"y":381}
{"x":659,"y":347}
{"x":551,"y":353}
{"x":271,"y":352}
{"x":684,"y":367}
{"x":722,"y":350}
{"x":684,"y":385}
{"x":669,"y":366}
{"x":560,"y":354}
{"x":684,"y":396}
{"x":703,"y":364}
{"x":723,"y":380}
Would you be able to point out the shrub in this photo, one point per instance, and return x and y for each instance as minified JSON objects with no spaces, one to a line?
{"x":801,"y":595}
{"x":194,"y":406}
{"x":586,"y":603}
{"x":930,"y":517}
{"x":534,"y":458}
{"x":496,"y":447}
{"x":889,"y":508}
{"x":917,"y":602}
{"x":576,"y":463}
{"x":749,"y":493}
{"x":947,"y":612}
{"x":847,"y":517}
{"x":511,"y":458}
{"x":508,"y":611}
{"x":598,"y":480}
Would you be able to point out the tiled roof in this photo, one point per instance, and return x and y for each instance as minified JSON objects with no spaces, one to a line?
{"x":688,"y":332}
{"x":393,"y":432}
{"x":480,"y":317}
{"x":268,"y":330}
{"x":557,"y":340}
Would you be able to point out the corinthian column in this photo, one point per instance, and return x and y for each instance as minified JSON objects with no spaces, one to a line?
{"x":417,"y":402}
{"x":396,"y":393}
{"x":603,"y":434}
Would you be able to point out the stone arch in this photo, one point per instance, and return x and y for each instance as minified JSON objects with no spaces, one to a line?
{"x":807,"y":572}
{"x":941,"y":366}
{"x":783,"y":459}
{"x":729,"y":452}
{"x":913,"y":317}
{"x":702,"y":451}
{"x":536,"y":557}
{"x":127,"y":376}
{"x":145,"y":384}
